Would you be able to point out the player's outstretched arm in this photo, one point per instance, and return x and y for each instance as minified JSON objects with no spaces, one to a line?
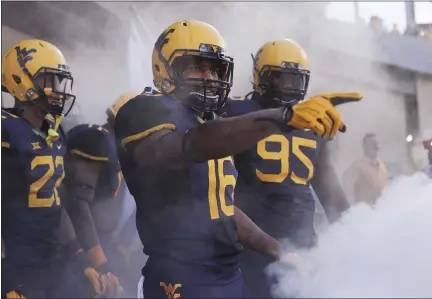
{"x":81,"y":179}
{"x":80,"y":265}
{"x":148,"y":132}
{"x":146,"y":129}
{"x":251,"y":236}
{"x":328,"y":188}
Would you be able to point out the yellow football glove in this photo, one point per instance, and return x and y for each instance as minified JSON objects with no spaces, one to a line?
{"x":14,"y":295}
{"x":319,"y":114}
{"x":338,"y":98}
{"x":105,"y":285}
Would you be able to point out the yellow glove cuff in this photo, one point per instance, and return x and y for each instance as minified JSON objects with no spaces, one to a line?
{"x":97,"y":256}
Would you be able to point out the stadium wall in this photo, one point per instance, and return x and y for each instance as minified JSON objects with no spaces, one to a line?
{"x":424,"y":98}
{"x":382,"y":111}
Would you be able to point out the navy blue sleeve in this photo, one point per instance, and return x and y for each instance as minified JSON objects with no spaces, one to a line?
{"x":140,"y":118}
{"x":90,"y":143}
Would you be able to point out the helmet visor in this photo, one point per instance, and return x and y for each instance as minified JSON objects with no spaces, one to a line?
{"x":56,"y":85}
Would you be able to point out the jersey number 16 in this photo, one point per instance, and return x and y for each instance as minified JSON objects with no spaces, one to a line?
{"x":217,"y":178}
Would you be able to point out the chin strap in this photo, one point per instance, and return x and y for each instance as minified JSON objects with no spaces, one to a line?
{"x":53,"y":136}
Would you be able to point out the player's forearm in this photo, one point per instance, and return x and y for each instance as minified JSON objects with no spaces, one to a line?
{"x":82,"y":219}
{"x":66,"y":231}
{"x":71,"y":249}
{"x":86,"y":232}
{"x":225,"y":137}
{"x":212,"y":140}
{"x":251,"y":236}
{"x":330,"y":192}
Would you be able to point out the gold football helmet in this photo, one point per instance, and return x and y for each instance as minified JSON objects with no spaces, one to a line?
{"x":123,"y":99}
{"x":112,"y":111}
{"x":35,"y":71}
{"x":182,"y":44}
{"x":281,"y":72}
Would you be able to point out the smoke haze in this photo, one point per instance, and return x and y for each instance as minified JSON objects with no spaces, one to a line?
{"x":383,"y":251}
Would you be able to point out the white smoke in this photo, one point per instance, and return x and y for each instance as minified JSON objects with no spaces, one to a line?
{"x":140,"y":69}
{"x":384,"y":251}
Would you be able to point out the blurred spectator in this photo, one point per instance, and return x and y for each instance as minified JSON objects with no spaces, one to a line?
{"x":418,"y":30}
{"x":395,"y":29}
{"x":412,"y":30}
{"x":428,"y":146}
{"x":365,"y":179}
{"x":425,"y":31}
{"x":376,"y":23}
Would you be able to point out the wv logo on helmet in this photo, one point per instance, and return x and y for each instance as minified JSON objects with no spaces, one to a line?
{"x":24,"y":55}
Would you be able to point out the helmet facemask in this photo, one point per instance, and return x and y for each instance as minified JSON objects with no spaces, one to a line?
{"x":54,"y":90}
{"x":203,"y":95}
{"x":282,"y":85}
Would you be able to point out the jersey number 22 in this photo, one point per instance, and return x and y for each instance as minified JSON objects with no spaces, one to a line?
{"x":35,"y":187}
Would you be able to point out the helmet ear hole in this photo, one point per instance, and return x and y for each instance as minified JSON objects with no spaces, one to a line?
{"x":166,"y":84}
{"x":17,"y":79}
{"x":157,"y":68}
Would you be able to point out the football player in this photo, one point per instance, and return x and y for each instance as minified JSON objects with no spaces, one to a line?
{"x":276,"y":173}
{"x":427,"y":144}
{"x":34,"y":225}
{"x":94,"y":188}
{"x":175,"y":154}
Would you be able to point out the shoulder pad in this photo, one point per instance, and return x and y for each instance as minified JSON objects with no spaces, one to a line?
{"x":149,"y":96}
{"x":238,"y":98}
{"x":92,"y":142}
{"x":149,"y":91}
{"x":94,"y":127}
{"x":239,"y":106}
{"x":10,"y":127}
{"x":242,"y":98}
{"x":147,"y":101}
{"x":8,"y":115}
{"x":87,"y":128}
{"x":248,"y":96}
{"x":146,"y":112}
{"x":9,"y":121}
